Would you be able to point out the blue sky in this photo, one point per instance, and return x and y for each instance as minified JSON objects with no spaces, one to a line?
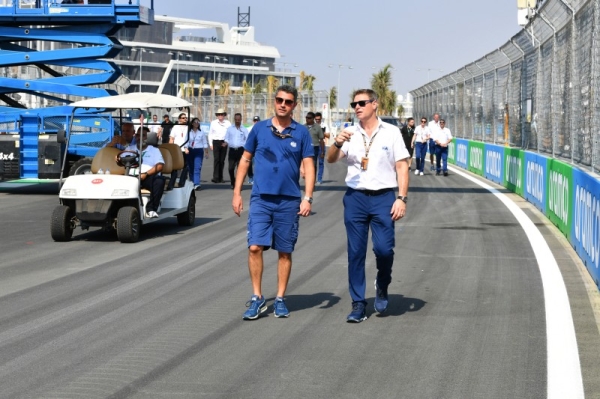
{"x":409,"y":34}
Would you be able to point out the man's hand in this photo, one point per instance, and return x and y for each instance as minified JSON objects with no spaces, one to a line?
{"x":305,"y":208}
{"x":237,"y":203}
{"x":398,"y":210}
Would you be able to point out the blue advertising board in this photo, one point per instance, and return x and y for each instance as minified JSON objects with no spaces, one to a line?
{"x":536,"y":167}
{"x":585,"y":230}
{"x":494,"y":163}
{"x":462,"y":151}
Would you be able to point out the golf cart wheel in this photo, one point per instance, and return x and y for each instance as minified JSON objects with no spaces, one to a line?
{"x":81,"y":166}
{"x":188,"y":217}
{"x":128,"y":224}
{"x":61,"y":228}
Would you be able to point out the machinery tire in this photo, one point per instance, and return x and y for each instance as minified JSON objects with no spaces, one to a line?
{"x":128,"y":224}
{"x":60,"y":224}
{"x":81,"y":166}
{"x":188,"y":217}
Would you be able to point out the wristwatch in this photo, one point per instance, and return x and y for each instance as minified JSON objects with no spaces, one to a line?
{"x":403,"y":198}
{"x":307,"y":198}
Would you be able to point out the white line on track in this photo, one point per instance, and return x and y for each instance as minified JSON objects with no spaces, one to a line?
{"x":564,"y":369}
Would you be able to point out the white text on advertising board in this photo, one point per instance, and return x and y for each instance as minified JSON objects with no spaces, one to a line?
{"x":513,"y":170}
{"x":558,"y":195}
{"x":476,"y":158}
{"x":461,"y":154}
{"x":535,"y":180}
{"x":493,"y":163}
{"x":587,"y":223}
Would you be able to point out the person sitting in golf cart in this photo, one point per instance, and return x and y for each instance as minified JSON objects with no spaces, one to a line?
{"x":125,"y":139}
{"x":152,"y":163}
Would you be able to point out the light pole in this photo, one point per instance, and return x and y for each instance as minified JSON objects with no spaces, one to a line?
{"x":340,"y":66}
{"x":141,"y":50}
{"x":215,"y":58}
{"x":428,"y":70}
{"x":179,"y":53}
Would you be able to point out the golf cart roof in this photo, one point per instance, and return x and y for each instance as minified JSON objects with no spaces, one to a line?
{"x":133,"y":101}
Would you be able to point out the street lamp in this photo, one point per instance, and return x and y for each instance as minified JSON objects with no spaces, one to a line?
{"x":338,"y":93}
{"x":215,"y":58}
{"x":254,"y":61}
{"x":283,"y":69}
{"x":142,"y":50}
{"x":179,"y":53}
{"x":428,"y":70}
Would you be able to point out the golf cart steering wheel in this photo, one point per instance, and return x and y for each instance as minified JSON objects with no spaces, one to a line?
{"x":128,"y":159}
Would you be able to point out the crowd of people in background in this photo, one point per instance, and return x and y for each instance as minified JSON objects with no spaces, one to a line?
{"x":226,"y":142}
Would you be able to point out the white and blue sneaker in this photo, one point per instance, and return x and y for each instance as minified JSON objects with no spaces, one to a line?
{"x":256,"y":305}
{"x":279,"y":308}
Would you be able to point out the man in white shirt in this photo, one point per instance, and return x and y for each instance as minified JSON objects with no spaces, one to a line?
{"x":179,"y":136}
{"x":235,"y":138}
{"x":420,"y":141}
{"x":377,"y":170}
{"x":216,"y":140}
{"x":434,"y":126}
{"x":442,"y":138}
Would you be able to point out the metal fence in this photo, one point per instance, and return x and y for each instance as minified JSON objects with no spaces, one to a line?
{"x":261,"y":105}
{"x":539,"y":91}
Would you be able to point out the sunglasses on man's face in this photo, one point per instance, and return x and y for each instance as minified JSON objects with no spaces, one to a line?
{"x":423,"y":121}
{"x":279,"y":134}
{"x":220,"y":114}
{"x":287,"y":101}
{"x":360,"y":103}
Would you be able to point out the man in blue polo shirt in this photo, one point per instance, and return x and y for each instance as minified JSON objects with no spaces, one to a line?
{"x":279,"y":145}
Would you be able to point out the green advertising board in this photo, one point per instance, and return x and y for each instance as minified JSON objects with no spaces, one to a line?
{"x":452,"y":153}
{"x":476,"y":158}
{"x":514,"y":170}
{"x":559,"y":207}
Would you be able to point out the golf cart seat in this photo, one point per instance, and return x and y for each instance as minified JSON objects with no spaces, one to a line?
{"x":105,"y":159}
{"x":176,"y":155}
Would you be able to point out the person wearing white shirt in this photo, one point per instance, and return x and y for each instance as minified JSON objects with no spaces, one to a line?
{"x":179,"y":136}
{"x":376,"y":197}
{"x":151,"y":178}
{"x":442,"y":138}
{"x":434,"y":126}
{"x":216,"y":139}
{"x":235,"y":138}
{"x":420,"y":141}
{"x":196,"y":150}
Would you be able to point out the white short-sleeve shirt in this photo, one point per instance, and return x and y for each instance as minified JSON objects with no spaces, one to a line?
{"x":422,"y":134}
{"x":386,"y":149}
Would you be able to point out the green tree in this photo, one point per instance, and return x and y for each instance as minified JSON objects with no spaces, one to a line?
{"x":381,"y":83}
{"x":333,"y":98}
{"x":309,"y":86}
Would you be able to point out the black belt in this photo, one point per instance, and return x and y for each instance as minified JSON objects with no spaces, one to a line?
{"x":374,"y":193}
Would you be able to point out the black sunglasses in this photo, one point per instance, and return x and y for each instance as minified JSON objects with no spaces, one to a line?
{"x":423,"y":121}
{"x":360,"y":103}
{"x":279,"y":134}
{"x":280,"y":101}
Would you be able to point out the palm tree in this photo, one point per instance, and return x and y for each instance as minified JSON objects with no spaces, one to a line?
{"x":333,"y":98}
{"x":381,"y":83}
{"x":309,"y":84}
{"x":225,"y":91}
{"x":272,"y":83}
{"x":190,"y":88}
{"x":246,"y":89}
{"x":213,"y":84}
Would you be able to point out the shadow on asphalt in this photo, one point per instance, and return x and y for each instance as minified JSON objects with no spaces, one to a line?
{"x":23,"y":188}
{"x":398,"y":305}
{"x":321,"y":300}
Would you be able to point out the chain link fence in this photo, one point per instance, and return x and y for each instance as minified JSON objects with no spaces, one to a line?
{"x":261,"y":105}
{"x":539,"y":91}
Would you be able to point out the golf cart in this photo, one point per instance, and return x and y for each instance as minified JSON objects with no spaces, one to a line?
{"x":111,"y":196}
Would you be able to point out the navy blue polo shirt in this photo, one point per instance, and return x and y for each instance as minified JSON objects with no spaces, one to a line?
{"x":277,"y":160}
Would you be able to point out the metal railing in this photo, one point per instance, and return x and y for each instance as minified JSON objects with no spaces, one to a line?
{"x":539,"y":91}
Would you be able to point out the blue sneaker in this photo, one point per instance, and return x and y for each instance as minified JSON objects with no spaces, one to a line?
{"x":358,"y":313}
{"x":256,"y":305}
{"x":381,"y":299}
{"x":280,"y":309}
{"x":250,"y":180}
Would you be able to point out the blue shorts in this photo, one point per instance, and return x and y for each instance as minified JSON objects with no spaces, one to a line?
{"x":431,"y":147}
{"x":273,"y":222}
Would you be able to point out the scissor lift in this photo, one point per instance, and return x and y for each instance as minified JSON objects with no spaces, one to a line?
{"x":55,"y":39}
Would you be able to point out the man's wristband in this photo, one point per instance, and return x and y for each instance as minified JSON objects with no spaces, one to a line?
{"x":338,"y":145}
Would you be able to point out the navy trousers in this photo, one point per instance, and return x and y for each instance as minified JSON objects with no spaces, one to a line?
{"x":361,"y":212}
{"x":441,"y":158}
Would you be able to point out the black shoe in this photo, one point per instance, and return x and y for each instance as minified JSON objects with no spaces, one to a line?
{"x":214,"y":180}
{"x":445,"y":173}
{"x":437,"y":173}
